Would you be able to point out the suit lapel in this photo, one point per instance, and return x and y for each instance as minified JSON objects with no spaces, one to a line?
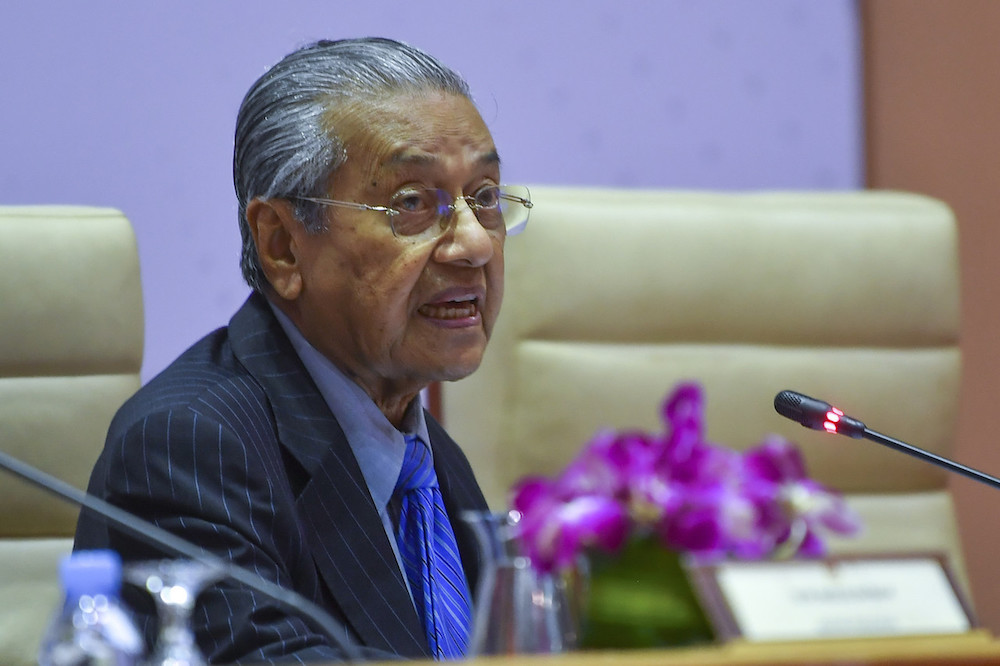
{"x":354,"y":557}
{"x":349,"y":545}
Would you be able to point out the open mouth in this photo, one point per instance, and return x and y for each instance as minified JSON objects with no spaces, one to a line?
{"x":458,"y":309}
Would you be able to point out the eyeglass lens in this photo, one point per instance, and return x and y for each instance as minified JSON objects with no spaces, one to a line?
{"x":421,"y":209}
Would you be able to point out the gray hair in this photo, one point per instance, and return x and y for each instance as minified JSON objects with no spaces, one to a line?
{"x":283,"y":146}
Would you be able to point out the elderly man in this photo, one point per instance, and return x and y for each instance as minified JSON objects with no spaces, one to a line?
{"x":293,"y":441}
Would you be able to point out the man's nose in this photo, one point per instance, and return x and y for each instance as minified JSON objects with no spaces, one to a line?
{"x":469,"y":240}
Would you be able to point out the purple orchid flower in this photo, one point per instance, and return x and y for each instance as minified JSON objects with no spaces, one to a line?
{"x":555,"y":528}
{"x":698,"y":497}
{"x":777,"y":479}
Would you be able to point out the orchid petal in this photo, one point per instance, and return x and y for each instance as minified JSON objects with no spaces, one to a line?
{"x":528,"y":492}
{"x":775,"y":459}
{"x":554,"y":540}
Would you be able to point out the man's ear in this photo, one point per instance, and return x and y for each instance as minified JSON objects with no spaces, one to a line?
{"x":272,"y":225}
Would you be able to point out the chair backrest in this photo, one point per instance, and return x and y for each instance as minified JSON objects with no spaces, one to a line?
{"x":71,"y":336}
{"x":614,"y":296}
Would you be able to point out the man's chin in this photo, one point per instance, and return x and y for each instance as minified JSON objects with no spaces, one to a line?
{"x":459,"y":369}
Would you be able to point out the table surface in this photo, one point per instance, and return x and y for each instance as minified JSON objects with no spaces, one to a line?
{"x":976,"y":648}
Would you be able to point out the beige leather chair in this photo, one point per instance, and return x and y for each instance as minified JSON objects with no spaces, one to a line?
{"x":71,"y":334}
{"x":613,"y":296}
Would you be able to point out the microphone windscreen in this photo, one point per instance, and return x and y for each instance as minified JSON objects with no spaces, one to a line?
{"x":801,"y":409}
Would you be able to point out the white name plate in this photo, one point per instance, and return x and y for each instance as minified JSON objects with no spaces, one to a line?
{"x":837,"y":598}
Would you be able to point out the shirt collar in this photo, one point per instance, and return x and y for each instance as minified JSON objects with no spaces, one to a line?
{"x":377,"y":445}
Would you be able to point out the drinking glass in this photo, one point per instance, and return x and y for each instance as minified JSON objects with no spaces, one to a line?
{"x":519,"y":610}
{"x":175,"y":586}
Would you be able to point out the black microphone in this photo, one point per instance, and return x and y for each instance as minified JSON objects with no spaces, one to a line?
{"x":161,"y":538}
{"x":819,"y":415}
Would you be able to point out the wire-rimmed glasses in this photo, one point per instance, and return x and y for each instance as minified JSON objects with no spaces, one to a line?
{"x":424,"y":213}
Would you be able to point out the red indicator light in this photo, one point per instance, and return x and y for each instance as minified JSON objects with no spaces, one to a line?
{"x":833,"y":416}
{"x":836,"y":411}
{"x":830,"y":427}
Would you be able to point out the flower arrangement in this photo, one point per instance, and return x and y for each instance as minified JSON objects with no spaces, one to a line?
{"x":694,"y":496}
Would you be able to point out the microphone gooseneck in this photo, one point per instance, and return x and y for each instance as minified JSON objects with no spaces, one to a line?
{"x":819,"y":415}
{"x":161,"y":538}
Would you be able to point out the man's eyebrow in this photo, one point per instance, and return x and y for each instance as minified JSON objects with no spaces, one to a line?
{"x":492,"y":157}
{"x":404,"y":157}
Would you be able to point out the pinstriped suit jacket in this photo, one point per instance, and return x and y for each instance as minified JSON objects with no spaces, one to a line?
{"x":233,"y":447}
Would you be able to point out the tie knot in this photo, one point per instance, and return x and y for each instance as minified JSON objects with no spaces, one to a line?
{"x":418,"y":469}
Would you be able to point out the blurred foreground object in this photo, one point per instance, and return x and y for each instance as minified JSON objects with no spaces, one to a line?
{"x":71,"y":341}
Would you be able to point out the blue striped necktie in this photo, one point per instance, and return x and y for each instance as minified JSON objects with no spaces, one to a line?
{"x":430,"y":555}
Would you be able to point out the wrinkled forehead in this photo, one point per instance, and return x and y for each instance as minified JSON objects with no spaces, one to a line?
{"x":411,"y":129}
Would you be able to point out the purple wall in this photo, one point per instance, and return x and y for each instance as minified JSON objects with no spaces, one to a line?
{"x":132,"y":105}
